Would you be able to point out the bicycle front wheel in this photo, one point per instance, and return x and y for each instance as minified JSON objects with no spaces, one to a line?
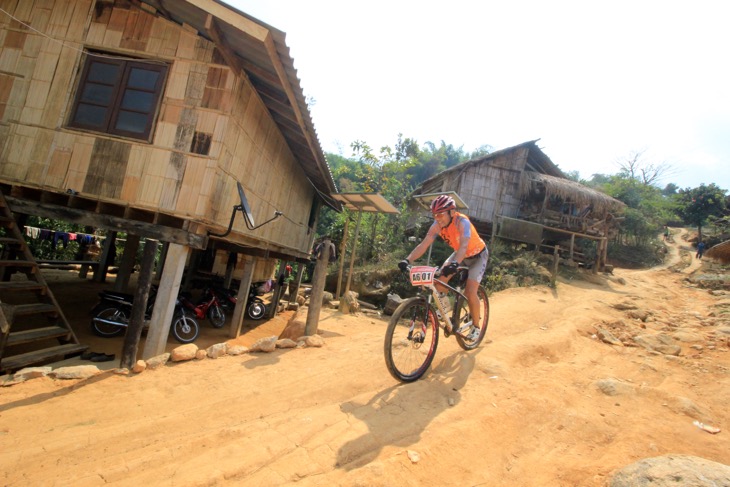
{"x":411,"y":340}
{"x":469,"y":337}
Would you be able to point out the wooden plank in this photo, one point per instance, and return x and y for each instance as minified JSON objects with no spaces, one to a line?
{"x":36,"y":334}
{"x":16,"y":263}
{"x":16,"y":362}
{"x":79,"y":20}
{"x":21,"y":286}
{"x":57,"y":94}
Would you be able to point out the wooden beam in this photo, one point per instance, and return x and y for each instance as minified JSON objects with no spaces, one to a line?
{"x":233,"y":18}
{"x":108,"y":222}
{"x":212,"y":29}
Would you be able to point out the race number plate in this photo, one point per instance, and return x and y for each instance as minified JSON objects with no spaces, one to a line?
{"x":422,"y":275}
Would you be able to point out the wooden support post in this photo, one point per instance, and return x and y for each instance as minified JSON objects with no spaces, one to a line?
{"x":126,"y":266}
{"x":343,"y":250}
{"x":297,"y":282}
{"x":136,"y":320}
{"x":83,"y":253}
{"x":572,"y":245}
{"x":161,"y":262}
{"x":242,"y":298}
{"x":107,"y":257}
{"x":354,"y":251}
{"x":556,"y":261}
{"x":275,"y":295}
{"x":165,"y":302}
{"x":318,"y":281}
{"x":230,"y":267}
{"x":192,"y":269}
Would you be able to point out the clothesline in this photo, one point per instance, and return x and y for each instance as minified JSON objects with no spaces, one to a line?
{"x":63,"y":237}
{"x":45,"y":234}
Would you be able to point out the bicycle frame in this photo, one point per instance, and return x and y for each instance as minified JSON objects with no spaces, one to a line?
{"x":425,"y":277}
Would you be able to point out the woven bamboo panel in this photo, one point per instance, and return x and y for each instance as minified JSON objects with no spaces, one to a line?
{"x":54,"y":109}
{"x":151,"y":189}
{"x":186,"y":46}
{"x":78,"y":22}
{"x":79,"y":163}
{"x":136,"y":167}
{"x":178,"y":80}
{"x":58,"y":168}
{"x":95,"y":36}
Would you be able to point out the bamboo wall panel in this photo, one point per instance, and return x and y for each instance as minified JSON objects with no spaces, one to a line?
{"x":107,"y":168}
{"x":132,"y":186}
{"x":38,"y":156}
{"x":78,"y":167}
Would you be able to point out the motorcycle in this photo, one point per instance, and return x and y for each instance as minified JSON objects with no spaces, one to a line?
{"x":111,"y":316}
{"x":255,"y":309}
{"x":210,"y":306}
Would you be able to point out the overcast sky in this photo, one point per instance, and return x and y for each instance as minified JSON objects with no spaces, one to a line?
{"x":595,"y":82}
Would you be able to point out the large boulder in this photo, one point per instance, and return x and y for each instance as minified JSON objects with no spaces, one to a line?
{"x":672,"y":471}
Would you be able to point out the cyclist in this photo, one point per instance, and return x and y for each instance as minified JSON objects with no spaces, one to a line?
{"x":459,"y":233}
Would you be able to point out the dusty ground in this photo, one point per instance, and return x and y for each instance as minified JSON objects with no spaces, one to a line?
{"x":523,"y":410}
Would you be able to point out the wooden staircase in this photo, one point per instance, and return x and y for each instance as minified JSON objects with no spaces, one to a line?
{"x":33,"y":329}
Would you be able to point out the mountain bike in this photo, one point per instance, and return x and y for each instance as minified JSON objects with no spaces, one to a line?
{"x":413,"y":332}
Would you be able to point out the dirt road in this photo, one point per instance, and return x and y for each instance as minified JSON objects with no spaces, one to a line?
{"x":546,"y":403}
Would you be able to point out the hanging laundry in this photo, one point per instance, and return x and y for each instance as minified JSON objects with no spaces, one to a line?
{"x":59,"y":237}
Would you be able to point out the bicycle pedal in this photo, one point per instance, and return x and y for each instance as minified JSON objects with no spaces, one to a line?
{"x":465,"y":327}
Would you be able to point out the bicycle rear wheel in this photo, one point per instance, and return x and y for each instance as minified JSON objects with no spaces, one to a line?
{"x":411,"y":340}
{"x":470,"y":338}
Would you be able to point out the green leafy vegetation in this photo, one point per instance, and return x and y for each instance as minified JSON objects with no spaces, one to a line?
{"x":395,"y":172}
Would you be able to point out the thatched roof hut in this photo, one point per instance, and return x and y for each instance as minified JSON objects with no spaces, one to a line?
{"x":567,"y":189}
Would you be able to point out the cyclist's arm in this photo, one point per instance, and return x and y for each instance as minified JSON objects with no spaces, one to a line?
{"x":421,"y":248}
{"x":465,"y":235}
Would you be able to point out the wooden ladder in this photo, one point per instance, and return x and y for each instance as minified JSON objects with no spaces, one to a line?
{"x":33,"y":329}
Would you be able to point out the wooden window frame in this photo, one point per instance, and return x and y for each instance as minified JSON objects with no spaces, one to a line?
{"x":120,"y":86}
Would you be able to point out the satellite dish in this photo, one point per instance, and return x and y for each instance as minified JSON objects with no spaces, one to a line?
{"x":245,"y":207}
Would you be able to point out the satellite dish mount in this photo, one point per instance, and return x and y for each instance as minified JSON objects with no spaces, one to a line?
{"x":244,"y":208}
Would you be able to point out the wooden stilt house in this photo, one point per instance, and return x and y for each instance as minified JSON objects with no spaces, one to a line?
{"x":144,"y":117}
{"x":519,"y":194}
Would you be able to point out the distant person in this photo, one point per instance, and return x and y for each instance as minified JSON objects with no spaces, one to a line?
{"x":666,"y":232}
{"x":700,"y":250}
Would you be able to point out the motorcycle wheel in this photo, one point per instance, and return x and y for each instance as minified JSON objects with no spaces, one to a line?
{"x":216,"y":316}
{"x":108,"y":330}
{"x":184,"y":328}
{"x":256,"y":310}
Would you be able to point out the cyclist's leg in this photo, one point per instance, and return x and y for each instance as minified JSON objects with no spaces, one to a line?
{"x":440,"y":288}
{"x":477,"y":267}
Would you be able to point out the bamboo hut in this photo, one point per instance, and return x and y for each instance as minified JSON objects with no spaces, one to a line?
{"x":144,"y":117}
{"x":519,"y":194}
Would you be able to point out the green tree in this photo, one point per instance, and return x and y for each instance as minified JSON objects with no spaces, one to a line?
{"x":647,"y":210}
{"x":696,"y":205}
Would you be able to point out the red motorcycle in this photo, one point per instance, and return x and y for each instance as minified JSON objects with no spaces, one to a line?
{"x":209,"y":306}
{"x":256,"y":308}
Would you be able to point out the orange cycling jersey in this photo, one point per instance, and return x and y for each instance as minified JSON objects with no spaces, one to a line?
{"x":452,"y":235}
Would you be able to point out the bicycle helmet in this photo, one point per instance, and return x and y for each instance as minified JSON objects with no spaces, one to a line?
{"x":442,"y":203}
